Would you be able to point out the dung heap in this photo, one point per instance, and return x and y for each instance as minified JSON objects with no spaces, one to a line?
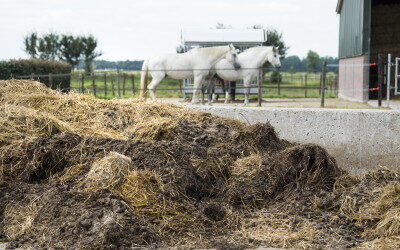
{"x":78,"y":172}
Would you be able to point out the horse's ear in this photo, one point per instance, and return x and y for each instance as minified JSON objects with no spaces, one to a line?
{"x":231,"y":46}
{"x":276,"y":49}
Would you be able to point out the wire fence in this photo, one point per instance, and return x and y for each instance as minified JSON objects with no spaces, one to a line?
{"x":106,"y":84}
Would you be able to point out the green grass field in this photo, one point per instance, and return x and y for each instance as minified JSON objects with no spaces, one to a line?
{"x":170,"y":88}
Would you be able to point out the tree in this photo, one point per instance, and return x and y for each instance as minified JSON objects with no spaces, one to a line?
{"x":66,"y":48}
{"x":293,"y":61}
{"x":71,"y":49}
{"x":312,"y":61}
{"x":180,"y":49}
{"x":30,"y":42}
{"x":292,"y":71}
{"x":274,"y":38}
{"x":48,"y":46}
{"x":89,"y":45}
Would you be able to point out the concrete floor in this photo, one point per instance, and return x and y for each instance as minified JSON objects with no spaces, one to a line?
{"x":285,"y":103}
{"x":393,"y":104}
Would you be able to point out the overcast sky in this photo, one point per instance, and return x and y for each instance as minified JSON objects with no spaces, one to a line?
{"x":133,"y":29}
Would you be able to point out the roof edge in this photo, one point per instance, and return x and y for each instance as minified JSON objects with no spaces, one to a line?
{"x":339,"y":6}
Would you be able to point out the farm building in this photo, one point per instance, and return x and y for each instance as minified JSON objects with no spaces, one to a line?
{"x":367,"y":28}
{"x":241,"y":39}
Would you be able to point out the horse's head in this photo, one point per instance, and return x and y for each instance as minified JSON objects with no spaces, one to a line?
{"x":273,"y":57}
{"x":231,"y":57}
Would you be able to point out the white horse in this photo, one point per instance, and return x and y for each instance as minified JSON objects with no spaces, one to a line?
{"x":195,"y":63}
{"x":250,"y":61}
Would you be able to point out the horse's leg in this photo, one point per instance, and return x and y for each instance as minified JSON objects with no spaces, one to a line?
{"x":156,"y":79}
{"x":246,"y":83}
{"x":225,"y":88}
{"x":198,"y":81}
{"x":210,"y":91}
{"x":203,"y":89}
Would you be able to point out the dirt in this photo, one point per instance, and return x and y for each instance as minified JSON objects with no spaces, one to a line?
{"x":67,"y":218}
{"x":193,"y":181}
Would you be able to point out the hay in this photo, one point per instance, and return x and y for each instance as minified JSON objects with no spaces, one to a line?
{"x":123,"y":173}
{"x":108,"y":172}
{"x":18,"y":219}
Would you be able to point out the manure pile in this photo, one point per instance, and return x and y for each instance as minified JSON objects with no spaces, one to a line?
{"x":78,"y":172}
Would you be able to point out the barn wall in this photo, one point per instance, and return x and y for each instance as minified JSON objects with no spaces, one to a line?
{"x":353,"y":78}
{"x":360,"y":140}
{"x":354,"y":28}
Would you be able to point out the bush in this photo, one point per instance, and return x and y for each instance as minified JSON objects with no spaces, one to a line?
{"x":18,"y":68}
{"x":276,"y":77}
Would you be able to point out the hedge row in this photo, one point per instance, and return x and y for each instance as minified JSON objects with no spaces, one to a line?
{"x":16,"y":68}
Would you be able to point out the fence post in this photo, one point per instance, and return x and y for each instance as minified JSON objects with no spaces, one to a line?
{"x":133,"y":84}
{"x":118,"y":87}
{"x":83,"y":83}
{"x":112,"y":84}
{"x":380,"y":78}
{"x":259,"y":86}
{"x":50,"y":80}
{"x":32,"y":76}
{"x":279,"y":85}
{"x":305,"y":85}
{"x":389,"y":64}
{"x":93,"y":85}
{"x":105,"y":84}
{"x":336,"y":85}
{"x":180,"y":86}
{"x":123,"y":83}
{"x":323,"y":77}
{"x":320,"y":84}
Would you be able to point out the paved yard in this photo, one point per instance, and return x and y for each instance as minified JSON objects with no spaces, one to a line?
{"x":287,"y":103}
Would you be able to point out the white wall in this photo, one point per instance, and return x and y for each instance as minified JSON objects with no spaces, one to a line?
{"x":360,"y":140}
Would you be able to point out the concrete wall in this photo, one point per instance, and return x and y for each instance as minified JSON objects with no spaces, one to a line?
{"x":360,"y":140}
{"x":353,"y":78}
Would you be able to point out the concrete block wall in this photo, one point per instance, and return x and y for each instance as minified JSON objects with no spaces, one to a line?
{"x":360,"y":140}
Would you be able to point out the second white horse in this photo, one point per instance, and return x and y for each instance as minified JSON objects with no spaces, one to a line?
{"x":250,"y":61}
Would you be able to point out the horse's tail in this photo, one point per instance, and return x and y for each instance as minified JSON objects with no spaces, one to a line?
{"x":143,"y":79}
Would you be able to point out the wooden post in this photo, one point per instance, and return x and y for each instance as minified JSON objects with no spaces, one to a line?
{"x":380,"y":78}
{"x":180,"y":85}
{"x":123,"y":83}
{"x":323,"y":84}
{"x":32,"y":76}
{"x":83,"y":83}
{"x":93,"y":85}
{"x":50,"y":80}
{"x":305,"y":85}
{"x":320,"y":84}
{"x":118,"y":87}
{"x":133,"y":84}
{"x":105,"y":84}
{"x":259,"y":87}
{"x":279,"y":86}
{"x":112,"y":84}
